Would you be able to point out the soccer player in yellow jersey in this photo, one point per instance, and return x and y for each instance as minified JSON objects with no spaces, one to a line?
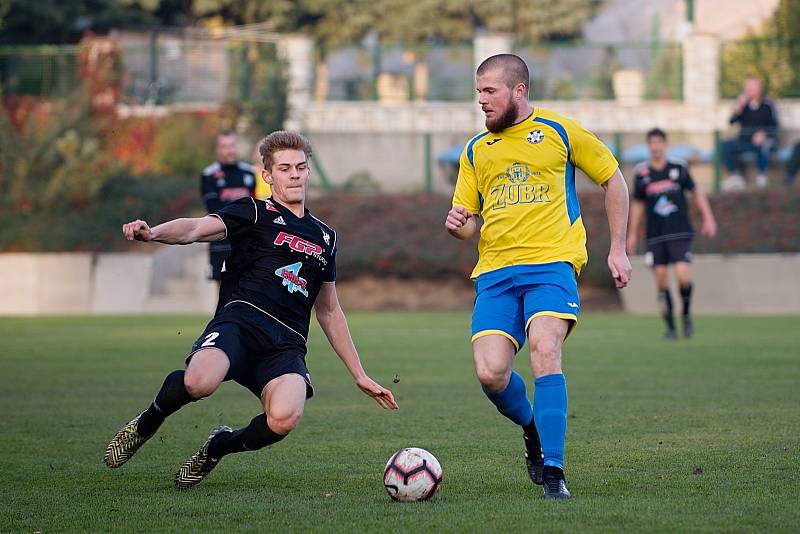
{"x":263,"y":190}
{"x":519,"y":177}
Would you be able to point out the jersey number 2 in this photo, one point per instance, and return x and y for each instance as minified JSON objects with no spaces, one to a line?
{"x":209,"y":342}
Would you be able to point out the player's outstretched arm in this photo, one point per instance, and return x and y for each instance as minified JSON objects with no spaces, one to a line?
{"x":460,"y":222}
{"x":178,"y":231}
{"x":333,"y":322}
{"x":709,"y":227}
{"x":617,"y":201}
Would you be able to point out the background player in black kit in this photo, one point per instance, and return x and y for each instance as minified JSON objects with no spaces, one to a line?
{"x":660,"y":191}
{"x":283,"y":262}
{"x":222,"y":182}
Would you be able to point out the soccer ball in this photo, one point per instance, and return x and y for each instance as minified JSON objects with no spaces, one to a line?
{"x":412,"y":474}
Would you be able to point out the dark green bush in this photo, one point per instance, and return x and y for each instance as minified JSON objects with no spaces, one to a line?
{"x":403,"y":235}
{"x":385,"y":235}
{"x":98,"y":227}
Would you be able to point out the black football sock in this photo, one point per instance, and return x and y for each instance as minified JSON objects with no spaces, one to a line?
{"x":686,"y":295}
{"x":553,"y":471}
{"x":533,"y":435}
{"x":665,"y":301}
{"x":171,"y":398}
{"x":254,"y":436}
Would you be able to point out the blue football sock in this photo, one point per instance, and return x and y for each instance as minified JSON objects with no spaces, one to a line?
{"x":550,"y":413}
{"x":513,"y":401}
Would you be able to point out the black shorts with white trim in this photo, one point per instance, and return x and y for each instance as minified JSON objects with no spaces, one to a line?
{"x":258,"y":348}
{"x":666,"y":252}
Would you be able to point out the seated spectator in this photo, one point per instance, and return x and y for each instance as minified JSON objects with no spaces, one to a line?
{"x":758,"y":123}
{"x":793,"y":165}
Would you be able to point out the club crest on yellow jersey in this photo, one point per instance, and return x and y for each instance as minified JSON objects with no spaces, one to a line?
{"x":535,"y":137}
{"x":518,"y":173}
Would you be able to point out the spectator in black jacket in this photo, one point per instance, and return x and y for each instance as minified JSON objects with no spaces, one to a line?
{"x":758,"y":123}
{"x":222,"y":182}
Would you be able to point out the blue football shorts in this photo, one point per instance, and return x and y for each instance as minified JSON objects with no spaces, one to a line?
{"x":508,"y":299}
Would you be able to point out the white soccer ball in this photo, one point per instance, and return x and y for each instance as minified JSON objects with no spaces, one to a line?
{"x":412,"y":474}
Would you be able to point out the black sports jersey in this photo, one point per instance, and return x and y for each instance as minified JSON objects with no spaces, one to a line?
{"x":663,"y":192}
{"x":221,"y":184}
{"x":278,"y":262}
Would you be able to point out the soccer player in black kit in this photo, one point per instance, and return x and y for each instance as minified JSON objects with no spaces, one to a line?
{"x":660,"y":192}
{"x":221,"y":183}
{"x":283,"y":263}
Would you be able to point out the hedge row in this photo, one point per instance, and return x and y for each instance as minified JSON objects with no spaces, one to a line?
{"x":404,"y":236}
{"x":386,"y":235}
{"x":97,"y":227}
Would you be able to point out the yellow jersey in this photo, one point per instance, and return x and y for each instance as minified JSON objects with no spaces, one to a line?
{"x":263,"y":190}
{"x":521,"y":181}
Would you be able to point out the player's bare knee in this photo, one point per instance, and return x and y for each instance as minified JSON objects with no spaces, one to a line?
{"x":662,"y":278}
{"x":283,"y":422}
{"x":545,"y":356}
{"x":493,"y":379}
{"x":546,"y":348}
{"x":199,"y":386}
{"x":683,"y":274}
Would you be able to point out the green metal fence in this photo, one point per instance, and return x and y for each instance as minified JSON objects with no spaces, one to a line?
{"x":174,"y":70}
{"x":166,"y":69}
{"x":573,"y":71}
{"x":775,"y":61}
{"x":43,"y":71}
{"x":440,"y":73}
{"x":194,"y":70}
{"x":450,"y":73}
{"x":568,"y":71}
{"x":159,"y":70}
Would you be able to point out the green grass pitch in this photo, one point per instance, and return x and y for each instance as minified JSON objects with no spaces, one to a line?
{"x":690,"y":436}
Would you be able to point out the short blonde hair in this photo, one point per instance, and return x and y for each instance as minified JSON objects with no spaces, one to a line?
{"x":282,"y":140}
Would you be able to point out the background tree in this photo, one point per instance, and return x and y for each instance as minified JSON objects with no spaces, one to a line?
{"x":5,"y":5}
{"x":333,"y":22}
{"x":787,"y":29}
{"x":771,"y":54}
{"x":64,"y":21}
{"x":538,"y":20}
{"x":330,"y":22}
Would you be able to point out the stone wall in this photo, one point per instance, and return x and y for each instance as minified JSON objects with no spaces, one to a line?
{"x":125,"y":283}
{"x":597,"y":115}
{"x":85,"y":283}
{"x":737,"y":284}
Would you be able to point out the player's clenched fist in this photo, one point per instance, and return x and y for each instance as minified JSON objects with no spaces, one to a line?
{"x":457,"y":217}
{"x":138,"y":230}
